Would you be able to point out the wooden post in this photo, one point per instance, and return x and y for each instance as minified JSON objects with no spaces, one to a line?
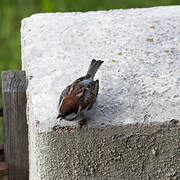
{"x":15,"y":126}
{"x":4,"y":171}
{"x":1,"y":152}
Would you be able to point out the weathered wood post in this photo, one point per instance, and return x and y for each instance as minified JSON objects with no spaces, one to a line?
{"x":4,"y":171}
{"x":15,"y":125}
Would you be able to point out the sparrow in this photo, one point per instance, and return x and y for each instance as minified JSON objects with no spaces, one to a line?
{"x":79,"y":97}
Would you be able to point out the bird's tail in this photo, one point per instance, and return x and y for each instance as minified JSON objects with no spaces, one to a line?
{"x":94,"y":66}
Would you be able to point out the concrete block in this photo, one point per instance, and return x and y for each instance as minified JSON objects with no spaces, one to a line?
{"x":139,"y":91}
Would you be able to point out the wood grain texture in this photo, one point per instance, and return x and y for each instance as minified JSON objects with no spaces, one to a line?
{"x":15,"y":126}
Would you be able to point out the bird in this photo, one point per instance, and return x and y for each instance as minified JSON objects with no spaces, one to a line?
{"x":80,"y":96}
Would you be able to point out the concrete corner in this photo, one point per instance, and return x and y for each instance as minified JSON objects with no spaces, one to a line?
{"x":129,"y":135}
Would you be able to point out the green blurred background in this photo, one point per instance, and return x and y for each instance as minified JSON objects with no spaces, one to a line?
{"x":13,"y":11}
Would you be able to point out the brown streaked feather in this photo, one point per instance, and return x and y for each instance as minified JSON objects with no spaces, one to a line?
{"x":76,"y":90}
{"x":80,"y":91}
{"x":71,"y":89}
{"x":94,"y":89}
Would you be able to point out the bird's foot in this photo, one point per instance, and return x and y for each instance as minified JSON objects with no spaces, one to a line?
{"x":82,"y":122}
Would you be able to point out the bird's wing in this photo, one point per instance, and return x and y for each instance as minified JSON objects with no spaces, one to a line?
{"x":94,"y":89}
{"x":88,"y":95}
{"x":69,"y":90}
{"x":64,"y":92}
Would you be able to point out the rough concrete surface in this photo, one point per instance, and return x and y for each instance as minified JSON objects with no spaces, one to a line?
{"x":139,"y":83}
{"x":129,"y":152}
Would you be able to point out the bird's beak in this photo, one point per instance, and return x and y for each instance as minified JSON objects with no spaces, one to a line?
{"x":59,"y":116}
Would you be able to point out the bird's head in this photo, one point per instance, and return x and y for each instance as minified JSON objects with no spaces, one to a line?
{"x":69,"y":105}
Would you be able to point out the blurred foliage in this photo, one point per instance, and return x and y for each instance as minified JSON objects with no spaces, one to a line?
{"x":13,"y":11}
